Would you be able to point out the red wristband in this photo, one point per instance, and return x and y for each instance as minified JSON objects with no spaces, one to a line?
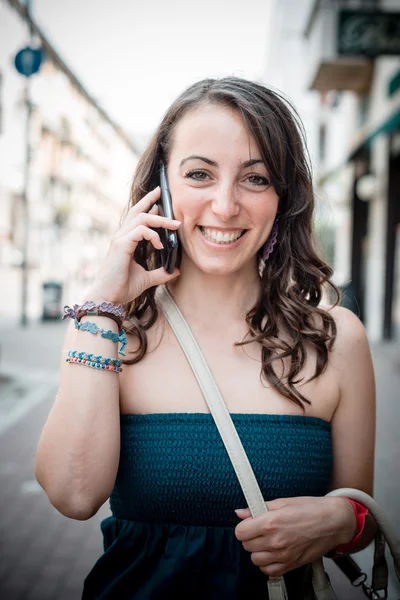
{"x":361,"y":512}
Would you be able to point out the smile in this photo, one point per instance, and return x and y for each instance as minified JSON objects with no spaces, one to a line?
{"x":217,"y":236}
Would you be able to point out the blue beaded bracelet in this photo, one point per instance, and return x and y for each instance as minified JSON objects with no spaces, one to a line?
{"x":96,"y":362}
{"x":87,"y":363}
{"x":115,"y":362}
{"x":108,"y":334}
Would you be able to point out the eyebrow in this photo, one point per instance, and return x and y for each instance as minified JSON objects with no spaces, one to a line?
{"x":244,"y":165}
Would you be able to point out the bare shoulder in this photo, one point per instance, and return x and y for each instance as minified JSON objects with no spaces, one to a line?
{"x":351,"y":355}
{"x":351,"y":334}
{"x":346,"y":321}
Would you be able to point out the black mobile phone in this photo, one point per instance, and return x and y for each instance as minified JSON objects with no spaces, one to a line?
{"x":168,"y":238}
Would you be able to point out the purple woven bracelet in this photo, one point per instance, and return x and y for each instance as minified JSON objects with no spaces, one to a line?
{"x":105,"y":307}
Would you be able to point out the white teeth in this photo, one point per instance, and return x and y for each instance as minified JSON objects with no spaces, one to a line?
{"x":219,"y":237}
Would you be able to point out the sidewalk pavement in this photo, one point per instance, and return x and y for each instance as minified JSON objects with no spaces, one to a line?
{"x":45,"y":556}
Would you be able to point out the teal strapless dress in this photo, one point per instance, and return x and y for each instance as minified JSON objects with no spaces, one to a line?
{"x":172,"y":530}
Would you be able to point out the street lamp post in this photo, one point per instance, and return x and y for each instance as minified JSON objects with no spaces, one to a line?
{"x":25,"y":205}
{"x":27,"y":62}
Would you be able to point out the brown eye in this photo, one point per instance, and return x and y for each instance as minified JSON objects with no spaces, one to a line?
{"x":197,"y":175}
{"x":258,"y":180}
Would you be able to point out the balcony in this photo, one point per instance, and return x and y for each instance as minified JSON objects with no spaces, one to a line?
{"x":352,"y":74}
{"x":343,"y":43}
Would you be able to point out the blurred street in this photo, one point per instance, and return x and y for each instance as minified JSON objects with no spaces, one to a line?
{"x":45,"y":556}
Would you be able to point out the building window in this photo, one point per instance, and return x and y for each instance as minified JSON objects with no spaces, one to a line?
{"x":363,"y":112}
{"x":337,"y":98}
{"x":322,"y":141}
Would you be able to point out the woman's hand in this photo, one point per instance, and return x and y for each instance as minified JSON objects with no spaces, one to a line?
{"x":120,"y":278}
{"x":295,"y":531}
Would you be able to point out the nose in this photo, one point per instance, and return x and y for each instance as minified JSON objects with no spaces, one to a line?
{"x":225,"y":205}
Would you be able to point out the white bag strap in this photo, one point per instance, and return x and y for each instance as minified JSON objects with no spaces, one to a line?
{"x":380,"y":517}
{"x":222,"y":418}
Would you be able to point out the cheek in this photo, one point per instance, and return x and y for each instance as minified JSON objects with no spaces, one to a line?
{"x":269,"y":208}
{"x":263,"y":212}
{"x":188,"y":205}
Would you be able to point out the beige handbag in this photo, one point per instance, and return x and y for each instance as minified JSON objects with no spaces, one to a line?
{"x":276,"y":585}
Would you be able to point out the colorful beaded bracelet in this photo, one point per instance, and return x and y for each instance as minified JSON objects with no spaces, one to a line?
{"x":94,"y":365}
{"x":101,"y":360}
{"x":108,"y":334}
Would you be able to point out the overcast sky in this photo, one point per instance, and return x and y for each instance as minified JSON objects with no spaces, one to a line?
{"x":136,"y":56}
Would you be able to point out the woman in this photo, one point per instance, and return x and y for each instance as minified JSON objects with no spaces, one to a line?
{"x":296,"y":375}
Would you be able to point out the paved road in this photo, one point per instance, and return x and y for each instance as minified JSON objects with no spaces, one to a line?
{"x":45,"y":556}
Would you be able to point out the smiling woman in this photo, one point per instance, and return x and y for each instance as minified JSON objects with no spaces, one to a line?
{"x":236,"y":161}
{"x":296,"y":376}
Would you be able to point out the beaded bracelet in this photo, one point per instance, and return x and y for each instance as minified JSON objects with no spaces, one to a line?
{"x":93,"y":365}
{"x":106,"y":309}
{"x":107,"y":334}
{"x":96,"y":362}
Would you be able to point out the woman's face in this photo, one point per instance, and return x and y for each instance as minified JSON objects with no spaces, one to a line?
{"x":221,"y":191}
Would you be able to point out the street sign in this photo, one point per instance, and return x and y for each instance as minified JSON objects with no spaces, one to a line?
{"x":368,"y":33}
{"x":28,"y":61}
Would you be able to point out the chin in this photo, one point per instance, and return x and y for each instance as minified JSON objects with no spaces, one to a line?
{"x":218,"y":267}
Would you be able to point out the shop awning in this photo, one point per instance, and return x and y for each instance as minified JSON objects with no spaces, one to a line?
{"x":387,"y":126}
{"x":391,"y":123}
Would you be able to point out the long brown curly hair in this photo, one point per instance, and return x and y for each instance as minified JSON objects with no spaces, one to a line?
{"x":293,"y":278}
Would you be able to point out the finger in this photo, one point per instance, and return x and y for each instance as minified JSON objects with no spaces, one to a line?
{"x":152,"y":220}
{"x":253,"y":527}
{"x":130,"y":240}
{"x":145,"y":233}
{"x":147,"y":200}
{"x":143,"y":205}
{"x":160,"y":276}
{"x":276,"y":569}
{"x":259,"y":544}
{"x":243,"y":513}
{"x":263,"y":559}
{"x":149,"y":220}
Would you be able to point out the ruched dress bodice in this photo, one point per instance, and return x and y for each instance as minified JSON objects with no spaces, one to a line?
{"x":171,"y":533}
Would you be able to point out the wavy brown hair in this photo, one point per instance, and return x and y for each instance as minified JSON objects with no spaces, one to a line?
{"x":294,"y":276}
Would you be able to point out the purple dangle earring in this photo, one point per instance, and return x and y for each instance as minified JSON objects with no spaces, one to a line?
{"x":269,"y":245}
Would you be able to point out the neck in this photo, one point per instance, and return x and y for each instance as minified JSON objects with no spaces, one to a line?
{"x":218,"y":299}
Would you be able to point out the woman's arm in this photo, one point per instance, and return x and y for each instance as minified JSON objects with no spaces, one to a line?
{"x":297,"y":531}
{"x":78,"y":451}
{"x":353,"y":423}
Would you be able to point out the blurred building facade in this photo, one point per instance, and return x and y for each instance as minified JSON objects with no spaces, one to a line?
{"x":81,"y":167}
{"x":342,"y":70}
